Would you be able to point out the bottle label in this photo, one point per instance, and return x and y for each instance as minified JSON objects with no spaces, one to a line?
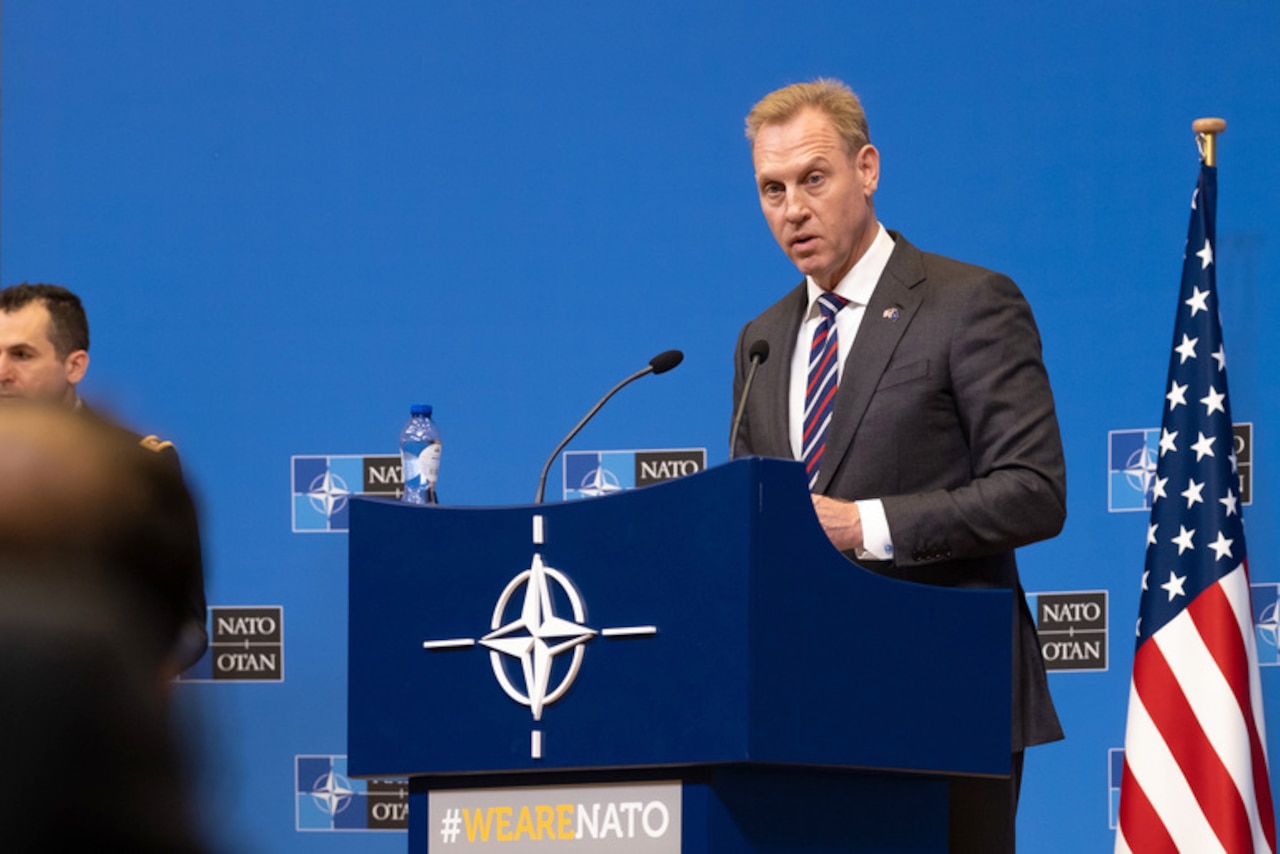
{"x":412,"y":471}
{"x":428,"y":464}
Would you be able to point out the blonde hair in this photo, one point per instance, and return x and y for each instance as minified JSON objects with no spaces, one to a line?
{"x":829,"y":95}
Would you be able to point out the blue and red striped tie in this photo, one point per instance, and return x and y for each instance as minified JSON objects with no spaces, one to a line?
{"x":820,"y":393}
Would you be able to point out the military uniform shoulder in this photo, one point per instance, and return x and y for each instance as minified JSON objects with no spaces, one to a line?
{"x":156,"y":444}
{"x":150,"y":442}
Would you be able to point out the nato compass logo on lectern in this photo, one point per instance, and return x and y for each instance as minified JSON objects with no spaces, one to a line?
{"x":537,"y":636}
{"x":524,"y":644}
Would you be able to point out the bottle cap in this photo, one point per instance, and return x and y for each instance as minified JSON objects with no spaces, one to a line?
{"x":420,"y":409}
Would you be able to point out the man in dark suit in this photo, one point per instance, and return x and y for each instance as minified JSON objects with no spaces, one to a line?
{"x":912,"y":387}
{"x":44,"y":354}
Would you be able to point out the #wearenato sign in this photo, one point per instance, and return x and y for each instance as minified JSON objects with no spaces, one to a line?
{"x":632,"y":818}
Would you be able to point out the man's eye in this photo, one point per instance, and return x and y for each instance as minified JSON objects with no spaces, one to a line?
{"x":815,"y":178}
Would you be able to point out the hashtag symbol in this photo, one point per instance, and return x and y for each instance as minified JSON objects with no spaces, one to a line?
{"x":451,"y":825}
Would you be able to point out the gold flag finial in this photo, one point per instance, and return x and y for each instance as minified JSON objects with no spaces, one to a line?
{"x":1207,"y":131}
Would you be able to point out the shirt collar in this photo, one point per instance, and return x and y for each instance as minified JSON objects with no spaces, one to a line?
{"x":860,"y":282}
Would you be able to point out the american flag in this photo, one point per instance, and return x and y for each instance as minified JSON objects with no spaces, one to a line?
{"x":1195,"y":764}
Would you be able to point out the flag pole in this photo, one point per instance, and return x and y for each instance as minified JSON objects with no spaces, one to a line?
{"x":1207,"y":131}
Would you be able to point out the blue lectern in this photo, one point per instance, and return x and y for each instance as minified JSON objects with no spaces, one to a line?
{"x":703,"y":633}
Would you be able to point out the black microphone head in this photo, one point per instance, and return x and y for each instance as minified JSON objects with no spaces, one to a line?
{"x":664,"y":362}
{"x":759,"y":351}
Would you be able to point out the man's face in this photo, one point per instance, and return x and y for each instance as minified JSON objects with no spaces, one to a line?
{"x":29,"y":367}
{"x":815,"y":196}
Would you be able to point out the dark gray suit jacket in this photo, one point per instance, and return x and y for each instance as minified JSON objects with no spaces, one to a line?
{"x":944,"y":412}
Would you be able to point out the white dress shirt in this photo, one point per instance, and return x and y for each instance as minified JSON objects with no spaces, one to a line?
{"x":857,"y":287}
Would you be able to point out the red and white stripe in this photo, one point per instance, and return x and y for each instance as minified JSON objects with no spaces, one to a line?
{"x":1195,"y":770}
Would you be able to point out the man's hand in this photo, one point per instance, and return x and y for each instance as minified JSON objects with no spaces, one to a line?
{"x":841,"y":521}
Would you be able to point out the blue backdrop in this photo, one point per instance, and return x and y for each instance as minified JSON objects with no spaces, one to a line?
{"x":290,"y":220}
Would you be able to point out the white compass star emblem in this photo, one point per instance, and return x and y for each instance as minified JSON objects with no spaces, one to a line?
{"x":600,"y":481}
{"x":328,"y":493}
{"x":332,"y":792}
{"x":537,"y":636}
{"x":1269,"y":625}
{"x":1140,"y":469}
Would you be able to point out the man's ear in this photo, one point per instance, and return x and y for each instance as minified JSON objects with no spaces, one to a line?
{"x":76,"y":363}
{"x":867,"y":164}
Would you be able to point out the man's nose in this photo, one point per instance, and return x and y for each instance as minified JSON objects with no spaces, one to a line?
{"x":797,"y":207}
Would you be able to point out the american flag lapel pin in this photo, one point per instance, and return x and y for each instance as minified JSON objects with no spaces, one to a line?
{"x":893,"y":312}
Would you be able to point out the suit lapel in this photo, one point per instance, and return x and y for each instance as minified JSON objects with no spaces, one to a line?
{"x":893,"y":304}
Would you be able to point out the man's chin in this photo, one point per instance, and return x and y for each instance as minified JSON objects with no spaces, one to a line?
{"x":810,"y":265}
{"x":13,"y":397}
{"x":803,"y":259}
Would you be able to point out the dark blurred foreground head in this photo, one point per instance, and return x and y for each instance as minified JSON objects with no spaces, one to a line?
{"x":78,"y":503}
{"x":86,"y":623}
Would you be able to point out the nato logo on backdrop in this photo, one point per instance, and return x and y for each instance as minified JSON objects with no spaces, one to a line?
{"x":1115,"y":773}
{"x":1072,"y":628}
{"x":323,"y":486}
{"x":246,"y":644}
{"x":591,"y":474}
{"x":1131,"y":468}
{"x":1266,"y":622}
{"x":325,"y":798}
{"x":1132,"y":456}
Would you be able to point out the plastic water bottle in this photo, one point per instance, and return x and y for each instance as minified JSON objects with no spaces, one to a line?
{"x":420,"y":456}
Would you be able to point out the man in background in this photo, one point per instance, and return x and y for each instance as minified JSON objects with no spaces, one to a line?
{"x":912,"y":388}
{"x":44,"y":355}
{"x":44,"y":343}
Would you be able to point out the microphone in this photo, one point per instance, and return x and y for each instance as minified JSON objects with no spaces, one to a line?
{"x":759,"y":354}
{"x":663,"y":362}
{"x":659,"y":364}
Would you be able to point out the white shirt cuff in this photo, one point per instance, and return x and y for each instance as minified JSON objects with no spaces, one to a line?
{"x":876,"y":542}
